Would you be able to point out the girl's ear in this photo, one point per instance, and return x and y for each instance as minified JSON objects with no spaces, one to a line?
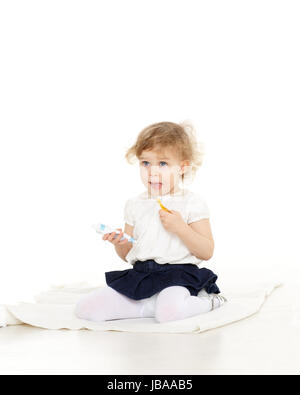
{"x":183,"y":164}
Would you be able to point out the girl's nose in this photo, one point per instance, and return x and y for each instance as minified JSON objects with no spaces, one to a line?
{"x":154,"y":170}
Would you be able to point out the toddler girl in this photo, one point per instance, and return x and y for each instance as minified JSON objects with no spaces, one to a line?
{"x":167,"y":280}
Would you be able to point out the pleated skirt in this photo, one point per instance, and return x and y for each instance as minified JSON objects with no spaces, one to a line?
{"x":146,"y":278}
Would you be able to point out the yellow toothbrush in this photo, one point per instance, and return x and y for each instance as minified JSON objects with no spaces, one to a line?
{"x":162,"y":206}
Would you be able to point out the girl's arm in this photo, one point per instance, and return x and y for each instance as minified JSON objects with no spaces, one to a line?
{"x":123,"y":249}
{"x":198,"y":238}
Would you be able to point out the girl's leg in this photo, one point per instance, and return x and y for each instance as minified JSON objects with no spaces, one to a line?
{"x":107,"y":304}
{"x":176,"y":303}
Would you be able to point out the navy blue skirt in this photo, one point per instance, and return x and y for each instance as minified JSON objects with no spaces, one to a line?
{"x":146,"y":278}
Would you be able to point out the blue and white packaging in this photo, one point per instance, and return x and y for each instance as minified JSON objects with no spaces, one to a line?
{"x":104,"y":229}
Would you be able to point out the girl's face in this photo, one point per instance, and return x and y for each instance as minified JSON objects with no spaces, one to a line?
{"x":160,"y":172}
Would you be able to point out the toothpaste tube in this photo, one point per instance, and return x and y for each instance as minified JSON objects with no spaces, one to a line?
{"x":101,"y":228}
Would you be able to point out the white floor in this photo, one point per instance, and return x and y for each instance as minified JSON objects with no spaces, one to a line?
{"x":266,"y":343}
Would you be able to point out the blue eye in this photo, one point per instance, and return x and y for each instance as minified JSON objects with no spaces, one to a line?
{"x":144,"y":162}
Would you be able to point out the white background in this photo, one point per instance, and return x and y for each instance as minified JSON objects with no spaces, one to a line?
{"x":80,"y":79}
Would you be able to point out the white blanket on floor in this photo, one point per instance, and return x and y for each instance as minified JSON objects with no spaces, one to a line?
{"x":54,"y":309}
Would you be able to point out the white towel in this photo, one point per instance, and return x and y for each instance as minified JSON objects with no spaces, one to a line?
{"x":54,"y":309}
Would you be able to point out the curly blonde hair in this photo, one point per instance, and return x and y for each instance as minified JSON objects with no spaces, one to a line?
{"x":180,"y":137}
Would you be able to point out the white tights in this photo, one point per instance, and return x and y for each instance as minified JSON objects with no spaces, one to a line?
{"x":172,"y":303}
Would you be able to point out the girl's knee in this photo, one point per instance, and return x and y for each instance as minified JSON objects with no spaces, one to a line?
{"x":81,"y":309}
{"x":84,"y":308}
{"x":169,"y":304}
{"x":90,"y":305}
{"x":175,"y":291}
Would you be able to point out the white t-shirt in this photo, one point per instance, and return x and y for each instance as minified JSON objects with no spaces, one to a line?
{"x":153,"y":240}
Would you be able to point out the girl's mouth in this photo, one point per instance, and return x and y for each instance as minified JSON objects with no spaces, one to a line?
{"x":155,"y":185}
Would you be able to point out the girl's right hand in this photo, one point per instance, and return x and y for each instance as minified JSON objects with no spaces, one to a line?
{"x":116,"y":241}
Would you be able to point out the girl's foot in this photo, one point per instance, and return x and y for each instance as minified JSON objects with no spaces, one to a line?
{"x":217,"y":300}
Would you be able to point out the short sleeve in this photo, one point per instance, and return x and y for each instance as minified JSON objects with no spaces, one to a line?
{"x":197,"y":209}
{"x":128,"y":213}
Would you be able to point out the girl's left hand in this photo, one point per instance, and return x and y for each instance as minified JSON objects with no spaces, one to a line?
{"x":172,"y":222}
